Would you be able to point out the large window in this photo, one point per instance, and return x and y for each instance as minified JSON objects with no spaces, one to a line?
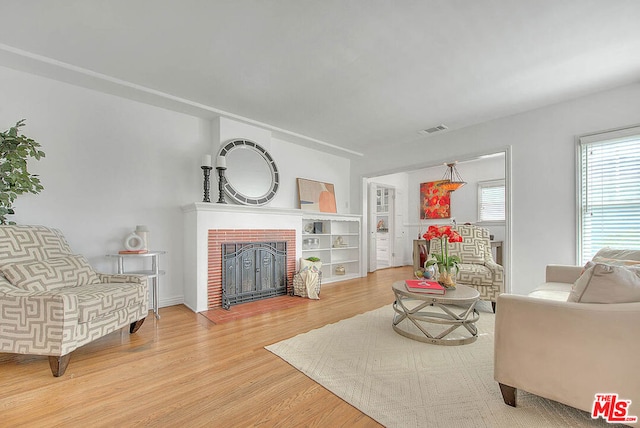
{"x":609,"y":192}
{"x":491,"y":200}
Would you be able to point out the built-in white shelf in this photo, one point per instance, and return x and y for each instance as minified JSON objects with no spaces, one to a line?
{"x":336,"y":241}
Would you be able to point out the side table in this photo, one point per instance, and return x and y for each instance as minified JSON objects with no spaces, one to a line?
{"x":153,"y":274}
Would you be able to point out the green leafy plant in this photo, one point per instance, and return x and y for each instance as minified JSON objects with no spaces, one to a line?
{"x":313,"y":259}
{"x":15,"y":179}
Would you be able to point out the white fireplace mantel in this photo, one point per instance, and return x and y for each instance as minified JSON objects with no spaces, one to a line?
{"x":200,"y":217}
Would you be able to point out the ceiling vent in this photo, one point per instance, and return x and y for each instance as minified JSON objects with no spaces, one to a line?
{"x":433,"y":129}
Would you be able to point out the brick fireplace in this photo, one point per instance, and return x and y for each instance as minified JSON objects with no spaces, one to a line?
{"x":216,"y":237}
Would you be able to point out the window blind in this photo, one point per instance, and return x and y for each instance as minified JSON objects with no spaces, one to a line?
{"x":609,"y":194}
{"x":491,"y":200}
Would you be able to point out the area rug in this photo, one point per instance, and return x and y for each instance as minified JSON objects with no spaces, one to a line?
{"x":400,"y":382}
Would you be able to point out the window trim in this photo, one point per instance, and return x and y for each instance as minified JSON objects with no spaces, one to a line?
{"x":596,"y":137}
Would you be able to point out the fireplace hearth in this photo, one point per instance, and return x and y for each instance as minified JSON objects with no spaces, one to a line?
{"x":253,"y":271}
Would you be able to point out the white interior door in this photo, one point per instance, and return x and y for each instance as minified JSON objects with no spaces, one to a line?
{"x":371,"y":233}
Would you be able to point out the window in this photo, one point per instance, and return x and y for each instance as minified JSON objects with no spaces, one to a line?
{"x":609,"y":192}
{"x":491,"y":200}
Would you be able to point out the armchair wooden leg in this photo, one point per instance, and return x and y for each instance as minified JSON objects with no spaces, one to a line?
{"x":493,"y":306}
{"x":136,"y":325}
{"x":59,"y":364}
{"x":509,"y":394}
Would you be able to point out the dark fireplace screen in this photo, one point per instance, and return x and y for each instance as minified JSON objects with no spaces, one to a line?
{"x":253,"y":271}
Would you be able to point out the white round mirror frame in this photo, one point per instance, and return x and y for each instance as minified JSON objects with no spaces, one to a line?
{"x":239,"y":195}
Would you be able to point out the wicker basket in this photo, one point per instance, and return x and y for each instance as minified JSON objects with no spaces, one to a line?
{"x":299,"y":289}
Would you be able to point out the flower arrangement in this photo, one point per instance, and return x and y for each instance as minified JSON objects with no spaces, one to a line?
{"x":444,"y":261}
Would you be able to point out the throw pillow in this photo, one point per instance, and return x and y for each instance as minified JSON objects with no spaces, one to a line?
{"x":615,"y":262}
{"x":603,"y":283}
{"x":51,"y":274}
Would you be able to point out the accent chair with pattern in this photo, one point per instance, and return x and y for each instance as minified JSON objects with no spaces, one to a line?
{"x":478,"y":269}
{"x":52,"y":301}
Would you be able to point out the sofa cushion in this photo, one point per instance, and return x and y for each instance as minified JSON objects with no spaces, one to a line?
{"x":470,"y":251}
{"x":98,"y":300}
{"x":474,"y":274}
{"x":604,"y":283}
{"x":558,"y":291}
{"x":51,"y":274}
{"x":22,"y":244}
{"x":613,"y":261}
{"x":612,"y":253}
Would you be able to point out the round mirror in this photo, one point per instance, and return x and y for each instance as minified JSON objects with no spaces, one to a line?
{"x":252,"y":176}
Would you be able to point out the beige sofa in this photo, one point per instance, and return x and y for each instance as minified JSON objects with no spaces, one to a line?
{"x":569,"y":351}
{"x":51,"y":300}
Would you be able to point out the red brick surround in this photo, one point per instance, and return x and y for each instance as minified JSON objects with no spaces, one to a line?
{"x":218,"y":236}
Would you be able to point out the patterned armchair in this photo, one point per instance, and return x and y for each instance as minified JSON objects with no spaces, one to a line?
{"x":52,"y":302}
{"x":478,"y":269}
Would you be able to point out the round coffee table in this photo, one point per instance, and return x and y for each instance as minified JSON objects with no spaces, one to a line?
{"x":423,"y":310}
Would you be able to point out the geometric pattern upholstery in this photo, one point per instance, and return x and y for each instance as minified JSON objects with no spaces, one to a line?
{"x":50,"y":274}
{"x":478,"y":269}
{"x":55,"y":322}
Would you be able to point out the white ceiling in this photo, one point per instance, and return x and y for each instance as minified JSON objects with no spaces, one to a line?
{"x":358,"y":74}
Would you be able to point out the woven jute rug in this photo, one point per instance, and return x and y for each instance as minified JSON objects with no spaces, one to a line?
{"x":401,"y":382}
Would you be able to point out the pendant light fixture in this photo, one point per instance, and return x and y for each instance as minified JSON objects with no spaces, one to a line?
{"x":452,"y":180}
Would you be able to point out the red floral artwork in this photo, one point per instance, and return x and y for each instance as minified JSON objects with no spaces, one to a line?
{"x":434,"y":201}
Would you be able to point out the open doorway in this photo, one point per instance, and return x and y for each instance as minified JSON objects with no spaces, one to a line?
{"x":382,"y":235}
{"x":476,"y":170}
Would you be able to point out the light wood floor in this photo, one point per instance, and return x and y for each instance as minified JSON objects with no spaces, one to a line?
{"x":182,"y":370}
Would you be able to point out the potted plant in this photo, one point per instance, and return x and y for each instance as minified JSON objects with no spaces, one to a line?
{"x":15,"y":179}
{"x":445,"y":263}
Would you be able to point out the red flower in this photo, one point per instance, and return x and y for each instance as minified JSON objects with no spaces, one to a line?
{"x":434,"y":232}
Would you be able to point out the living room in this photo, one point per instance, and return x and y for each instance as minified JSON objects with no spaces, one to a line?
{"x":121,"y":150}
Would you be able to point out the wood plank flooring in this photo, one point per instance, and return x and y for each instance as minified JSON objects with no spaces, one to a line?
{"x":183,"y":370}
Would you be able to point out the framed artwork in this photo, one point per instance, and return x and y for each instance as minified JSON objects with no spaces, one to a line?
{"x":316,"y":196}
{"x":435,"y":202}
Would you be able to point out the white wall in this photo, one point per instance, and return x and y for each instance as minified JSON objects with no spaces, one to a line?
{"x":543,"y":171}
{"x":110,"y":165}
{"x":295,"y":161}
{"x":113,"y":163}
{"x":464,"y":201}
{"x":464,"y":207}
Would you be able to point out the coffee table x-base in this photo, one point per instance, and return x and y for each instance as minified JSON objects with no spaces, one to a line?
{"x":418,"y":309}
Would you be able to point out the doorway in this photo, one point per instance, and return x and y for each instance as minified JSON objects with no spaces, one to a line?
{"x":386,"y":234}
{"x":475,"y":169}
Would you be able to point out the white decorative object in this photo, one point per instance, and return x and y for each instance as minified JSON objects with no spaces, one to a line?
{"x":221,"y":162}
{"x":133,"y":242}
{"x":143,"y":232}
{"x":206,"y":160}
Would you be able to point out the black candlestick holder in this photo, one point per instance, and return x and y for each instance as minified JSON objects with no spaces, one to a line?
{"x":221,"y":181}
{"x":207,"y":185}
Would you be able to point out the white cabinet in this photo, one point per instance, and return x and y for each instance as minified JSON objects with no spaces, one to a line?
{"x":382,"y":209}
{"x":335,"y":240}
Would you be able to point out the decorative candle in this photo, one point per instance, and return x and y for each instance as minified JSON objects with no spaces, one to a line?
{"x":206,"y":160}
{"x":221,"y":162}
